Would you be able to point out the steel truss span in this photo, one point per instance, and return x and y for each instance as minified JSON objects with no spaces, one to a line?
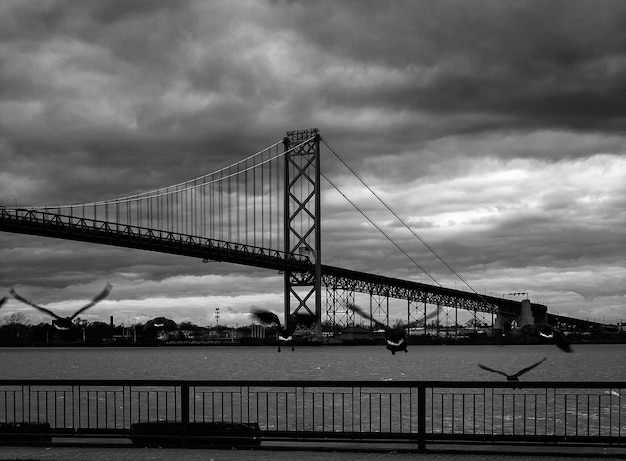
{"x":362,"y":282}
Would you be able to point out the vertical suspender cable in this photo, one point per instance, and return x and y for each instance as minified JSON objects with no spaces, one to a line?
{"x":279,"y":189}
{"x":204,"y":209}
{"x":229,"y":204}
{"x":254,"y":173}
{"x":219,"y":196}
{"x":262,"y":208}
{"x":246,"y":203}
{"x":269,"y":195}
{"x":237,"y":200}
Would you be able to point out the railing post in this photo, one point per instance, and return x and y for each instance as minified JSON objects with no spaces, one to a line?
{"x":421,"y":417}
{"x":184,"y":411}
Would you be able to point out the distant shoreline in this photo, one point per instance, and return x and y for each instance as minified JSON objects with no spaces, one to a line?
{"x":354,"y":343}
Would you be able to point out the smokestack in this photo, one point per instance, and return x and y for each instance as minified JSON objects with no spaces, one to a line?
{"x":111,"y":321}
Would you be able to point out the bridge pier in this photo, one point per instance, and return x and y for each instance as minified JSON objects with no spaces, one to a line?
{"x":526,"y":315}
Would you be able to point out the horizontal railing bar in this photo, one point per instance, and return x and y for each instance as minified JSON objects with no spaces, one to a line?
{"x":324,"y":384}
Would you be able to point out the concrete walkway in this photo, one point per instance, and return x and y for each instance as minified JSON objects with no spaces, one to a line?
{"x":285,"y":452}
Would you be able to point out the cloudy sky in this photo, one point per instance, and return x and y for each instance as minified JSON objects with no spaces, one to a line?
{"x":496,"y":129}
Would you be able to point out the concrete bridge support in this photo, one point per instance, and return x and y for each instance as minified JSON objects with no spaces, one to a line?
{"x":526,"y":314}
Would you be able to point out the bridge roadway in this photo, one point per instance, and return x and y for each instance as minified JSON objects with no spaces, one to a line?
{"x":47,"y":224}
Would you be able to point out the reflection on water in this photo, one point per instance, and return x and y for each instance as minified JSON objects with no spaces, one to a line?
{"x":458,"y":363}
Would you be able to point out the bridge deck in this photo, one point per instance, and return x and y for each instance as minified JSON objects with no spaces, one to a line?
{"x":54,"y":225}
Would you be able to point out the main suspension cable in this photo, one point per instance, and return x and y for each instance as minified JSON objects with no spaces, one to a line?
{"x":379,"y":229}
{"x":402,"y":221}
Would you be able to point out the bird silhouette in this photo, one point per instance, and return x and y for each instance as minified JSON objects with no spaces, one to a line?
{"x":515,"y":376}
{"x":542,"y":330}
{"x":395,"y":337}
{"x":65,"y":323}
{"x":285,"y":333}
{"x":161,"y":328}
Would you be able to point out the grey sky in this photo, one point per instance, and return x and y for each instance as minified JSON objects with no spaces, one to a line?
{"x":497,"y":129}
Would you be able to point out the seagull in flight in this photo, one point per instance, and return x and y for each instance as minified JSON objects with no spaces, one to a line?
{"x":64,"y":323}
{"x":543,"y":330}
{"x":285,"y":333}
{"x":515,"y":376}
{"x":395,"y":337}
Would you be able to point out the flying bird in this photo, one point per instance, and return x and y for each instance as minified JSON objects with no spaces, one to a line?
{"x":542,"y":330}
{"x":64,"y":323}
{"x":285,"y":333}
{"x":161,"y":328}
{"x":395,"y":337}
{"x":515,"y":376}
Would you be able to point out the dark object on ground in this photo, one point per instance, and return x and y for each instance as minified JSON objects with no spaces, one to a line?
{"x":25,"y":432}
{"x":168,"y":434}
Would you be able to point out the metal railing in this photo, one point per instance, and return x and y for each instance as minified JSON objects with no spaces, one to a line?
{"x":412,"y":411}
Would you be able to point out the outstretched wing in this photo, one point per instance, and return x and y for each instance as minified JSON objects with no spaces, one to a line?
{"x":492,"y":370}
{"x":557,"y":335}
{"x":266,"y":317}
{"x":3,"y":300}
{"x":362,"y":313}
{"x":561,"y":342}
{"x":524,"y":370}
{"x":103,"y":294}
{"x":26,"y":301}
{"x":422,"y":321}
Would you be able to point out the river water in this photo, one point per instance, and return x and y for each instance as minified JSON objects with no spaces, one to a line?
{"x":593,"y":362}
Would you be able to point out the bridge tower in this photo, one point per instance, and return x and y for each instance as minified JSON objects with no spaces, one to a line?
{"x":302,"y":216}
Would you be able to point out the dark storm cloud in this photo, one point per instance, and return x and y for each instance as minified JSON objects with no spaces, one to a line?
{"x":455,"y":67}
{"x":91,"y":83}
{"x":495,"y":128}
{"x":554,"y":64}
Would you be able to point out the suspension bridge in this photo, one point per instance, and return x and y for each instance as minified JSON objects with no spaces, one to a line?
{"x":262,"y":211}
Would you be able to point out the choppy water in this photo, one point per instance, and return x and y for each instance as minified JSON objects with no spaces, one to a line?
{"x":586,"y":363}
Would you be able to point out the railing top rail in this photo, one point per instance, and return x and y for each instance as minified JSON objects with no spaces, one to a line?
{"x":314,"y":383}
